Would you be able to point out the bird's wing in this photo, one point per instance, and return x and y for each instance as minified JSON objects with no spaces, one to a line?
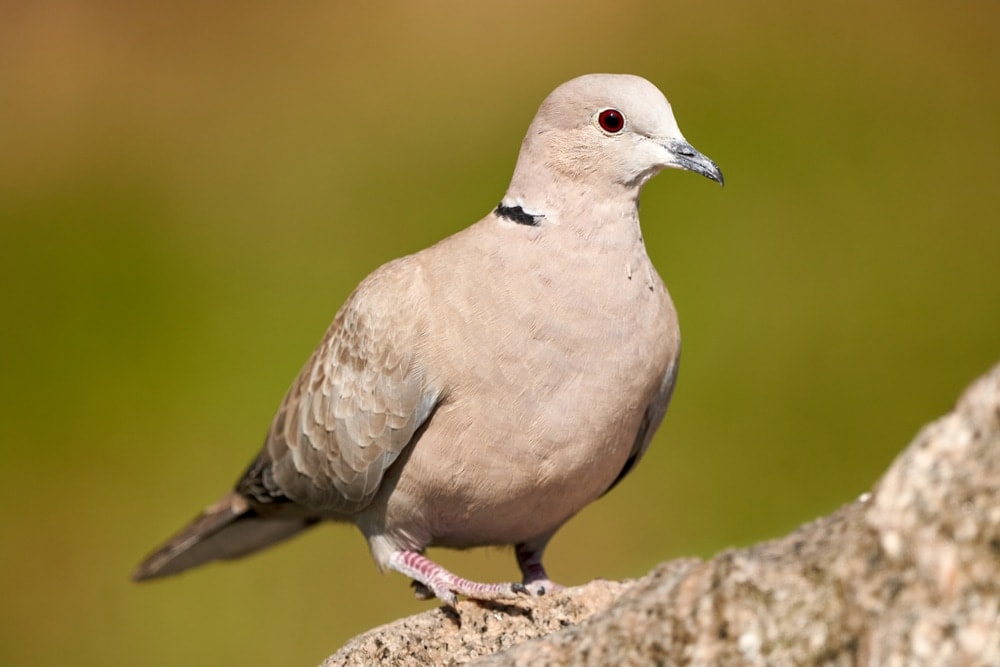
{"x":356,"y":404}
{"x":651,"y":420}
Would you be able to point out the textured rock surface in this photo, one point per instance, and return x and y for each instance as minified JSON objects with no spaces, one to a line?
{"x":906,"y":575}
{"x":443,"y":636}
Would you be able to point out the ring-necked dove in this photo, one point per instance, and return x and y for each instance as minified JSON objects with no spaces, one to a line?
{"x":484,"y":390}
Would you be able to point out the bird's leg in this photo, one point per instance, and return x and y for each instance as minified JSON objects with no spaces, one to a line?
{"x":529,"y":559}
{"x":430,"y":577}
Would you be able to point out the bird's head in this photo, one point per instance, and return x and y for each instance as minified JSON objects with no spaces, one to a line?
{"x":602,"y":130}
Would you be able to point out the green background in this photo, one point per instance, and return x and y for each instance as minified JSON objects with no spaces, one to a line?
{"x":189,"y":191}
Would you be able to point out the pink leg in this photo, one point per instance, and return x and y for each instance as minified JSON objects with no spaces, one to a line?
{"x":445,"y":585}
{"x":529,"y":559}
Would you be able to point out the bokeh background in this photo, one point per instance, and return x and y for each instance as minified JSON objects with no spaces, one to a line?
{"x":188,"y":191}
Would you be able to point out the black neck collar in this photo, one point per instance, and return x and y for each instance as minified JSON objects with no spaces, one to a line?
{"x":518,"y":215}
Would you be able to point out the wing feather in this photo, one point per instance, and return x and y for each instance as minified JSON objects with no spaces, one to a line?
{"x":357,"y":402}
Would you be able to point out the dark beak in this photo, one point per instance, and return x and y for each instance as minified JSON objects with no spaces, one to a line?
{"x":687,"y":157}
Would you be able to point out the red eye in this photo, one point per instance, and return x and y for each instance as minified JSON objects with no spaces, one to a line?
{"x":611,"y":121}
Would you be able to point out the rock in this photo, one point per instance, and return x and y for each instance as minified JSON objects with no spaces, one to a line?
{"x":445,"y":636}
{"x":908,"y":574}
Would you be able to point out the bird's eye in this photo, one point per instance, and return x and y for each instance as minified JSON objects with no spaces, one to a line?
{"x":611,"y":121}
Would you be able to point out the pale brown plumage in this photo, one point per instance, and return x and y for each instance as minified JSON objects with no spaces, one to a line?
{"x":486,"y":389}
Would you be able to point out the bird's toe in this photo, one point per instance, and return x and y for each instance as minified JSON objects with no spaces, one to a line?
{"x":541,"y":587}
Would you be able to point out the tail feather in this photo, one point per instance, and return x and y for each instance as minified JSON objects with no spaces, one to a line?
{"x":228,"y":529}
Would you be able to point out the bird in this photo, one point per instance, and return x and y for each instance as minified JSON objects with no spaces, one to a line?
{"x":482,"y":391}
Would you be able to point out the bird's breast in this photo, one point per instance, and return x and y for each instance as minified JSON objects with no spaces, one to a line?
{"x":546,"y":384}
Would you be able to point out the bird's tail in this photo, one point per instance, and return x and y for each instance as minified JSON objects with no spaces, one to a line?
{"x":230,"y":528}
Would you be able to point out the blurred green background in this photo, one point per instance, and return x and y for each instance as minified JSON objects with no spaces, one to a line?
{"x":188,"y":192}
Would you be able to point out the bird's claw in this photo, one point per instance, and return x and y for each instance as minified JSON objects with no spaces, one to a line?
{"x":423,"y":592}
{"x":540,"y":587}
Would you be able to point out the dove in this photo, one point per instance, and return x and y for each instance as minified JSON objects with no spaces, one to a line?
{"x":484,"y":390}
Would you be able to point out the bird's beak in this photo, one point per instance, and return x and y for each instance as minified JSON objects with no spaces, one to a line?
{"x":685,"y":156}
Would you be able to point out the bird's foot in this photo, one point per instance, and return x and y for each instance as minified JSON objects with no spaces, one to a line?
{"x":544,"y":586}
{"x":529,"y":559}
{"x":432,"y":580}
{"x":535,"y":588}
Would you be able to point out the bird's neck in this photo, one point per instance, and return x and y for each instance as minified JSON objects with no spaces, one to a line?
{"x":605,"y":214}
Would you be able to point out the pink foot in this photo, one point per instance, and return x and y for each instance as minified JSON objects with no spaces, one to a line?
{"x":430,"y":579}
